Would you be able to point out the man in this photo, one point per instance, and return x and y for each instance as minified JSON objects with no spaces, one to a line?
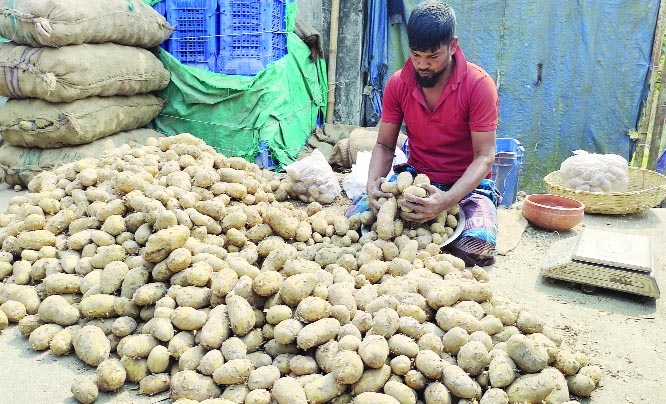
{"x":449,"y":107}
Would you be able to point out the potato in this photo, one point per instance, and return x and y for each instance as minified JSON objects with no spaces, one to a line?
{"x":374,"y":398}
{"x":41,"y":337}
{"x":317,"y":333}
{"x":448,"y":318}
{"x":277,"y":314}
{"x":495,"y":396}
{"x":297,"y":287}
{"x":60,"y":283}
{"x":437,"y":393}
{"x":528,"y":323}
{"x":593,"y":372}
{"x":160,"y":244}
{"x":26,"y":325}
{"x":136,"y":369}
{"x":133,"y":280}
{"x":312,"y":309}
{"x":580,"y":385}
{"x":429,"y":363}
{"x":188,"y":318}
{"x":234,"y":371}
{"x":385,"y":217}
{"x":267,"y":283}
{"x":263,"y":377}
{"x":259,"y":396}
{"x":526,"y":355}
{"x":36,"y":239}
{"x":385,"y":322}
{"x":400,"y":365}
{"x":323,"y":389}
{"x":91,"y":345}
{"x":347,"y":367}
{"x":241,"y":315}
{"x":154,"y":384}
{"x":372,"y":380}
{"x":282,"y":223}
{"x":400,"y":392}
{"x":216,"y":329}
{"x":473,"y":357}
{"x":111,"y":375}
{"x":212,"y":360}
{"x":223,"y":281}
{"x":55,"y":309}
{"x":136,"y":346}
{"x":191,"y":358}
{"x":234,"y":348}
{"x":158,"y":359}
{"x":459,"y":383}
{"x":288,"y":390}
{"x":61,"y":343}
{"x":301,"y":365}
{"x":325,"y":355}
{"x":188,"y":384}
{"x":374,"y":351}
{"x":530,"y":388}
{"x":84,"y":390}
{"x":21,"y":293}
{"x":502,"y":369}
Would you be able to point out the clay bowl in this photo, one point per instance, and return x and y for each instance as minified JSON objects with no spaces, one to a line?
{"x":552,"y":212}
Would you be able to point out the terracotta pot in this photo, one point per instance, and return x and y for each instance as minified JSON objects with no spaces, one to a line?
{"x":552,"y":212}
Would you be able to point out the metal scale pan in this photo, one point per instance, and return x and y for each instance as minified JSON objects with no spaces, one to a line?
{"x":598,"y":258}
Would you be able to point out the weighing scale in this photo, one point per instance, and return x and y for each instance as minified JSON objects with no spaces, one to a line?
{"x":599,"y":258}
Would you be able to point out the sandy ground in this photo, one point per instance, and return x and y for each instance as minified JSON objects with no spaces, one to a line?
{"x":622,"y":334}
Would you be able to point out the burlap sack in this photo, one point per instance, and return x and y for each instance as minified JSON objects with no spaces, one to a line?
{"x":37,"y":123}
{"x":78,"y":71}
{"x":18,"y":165}
{"x":345,"y":151}
{"x":59,"y":23}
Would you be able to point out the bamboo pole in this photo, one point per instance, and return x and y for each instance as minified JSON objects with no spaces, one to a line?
{"x":332,"y":59}
{"x":646,"y":115}
{"x":657,"y":129}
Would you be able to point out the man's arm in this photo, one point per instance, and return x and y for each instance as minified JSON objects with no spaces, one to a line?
{"x":381,"y":161}
{"x":424,"y":209}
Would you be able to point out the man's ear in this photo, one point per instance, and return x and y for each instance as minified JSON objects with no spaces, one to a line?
{"x":453,"y":45}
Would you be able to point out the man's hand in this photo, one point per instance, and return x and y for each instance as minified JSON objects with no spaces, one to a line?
{"x":374,"y":193}
{"x":425,"y":209}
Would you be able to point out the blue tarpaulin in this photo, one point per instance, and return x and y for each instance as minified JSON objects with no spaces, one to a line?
{"x":571,"y":75}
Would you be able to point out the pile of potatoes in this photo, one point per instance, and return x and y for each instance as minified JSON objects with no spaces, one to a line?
{"x":388,"y":225}
{"x":181,"y":270}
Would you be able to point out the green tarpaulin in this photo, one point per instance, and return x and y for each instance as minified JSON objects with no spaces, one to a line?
{"x":280,"y":105}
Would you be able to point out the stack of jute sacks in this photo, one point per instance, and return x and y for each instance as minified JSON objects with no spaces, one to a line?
{"x":77,"y":71}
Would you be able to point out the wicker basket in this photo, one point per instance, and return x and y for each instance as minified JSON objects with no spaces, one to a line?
{"x":646,"y":189}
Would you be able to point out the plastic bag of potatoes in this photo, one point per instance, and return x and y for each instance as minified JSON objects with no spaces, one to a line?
{"x":595,"y":172}
{"x":312,"y":179}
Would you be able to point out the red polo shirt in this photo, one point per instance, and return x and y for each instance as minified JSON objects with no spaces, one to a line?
{"x":440,"y":143}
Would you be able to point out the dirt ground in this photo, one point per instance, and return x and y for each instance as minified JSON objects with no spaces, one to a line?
{"x":620,"y":333}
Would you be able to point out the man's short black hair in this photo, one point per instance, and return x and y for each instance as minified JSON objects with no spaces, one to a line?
{"x":431,"y":24}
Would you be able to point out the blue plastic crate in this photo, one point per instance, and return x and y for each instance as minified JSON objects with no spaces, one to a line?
{"x":252,"y":35}
{"x":263,"y":158}
{"x":506,"y":170}
{"x":194,"y":40}
{"x":161,"y":8}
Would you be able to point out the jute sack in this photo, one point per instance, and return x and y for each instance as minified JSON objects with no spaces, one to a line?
{"x":37,"y":123}
{"x":78,"y":71}
{"x":345,"y":150}
{"x":59,"y":23}
{"x":18,"y":165}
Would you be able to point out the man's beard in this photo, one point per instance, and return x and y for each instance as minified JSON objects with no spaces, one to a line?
{"x":428,"y":82}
